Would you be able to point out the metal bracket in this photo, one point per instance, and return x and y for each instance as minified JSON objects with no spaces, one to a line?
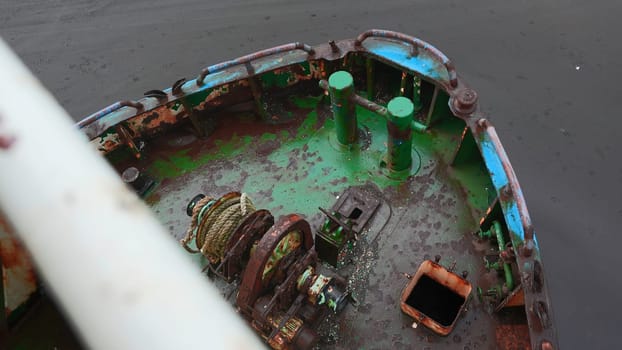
{"x":344,"y":222}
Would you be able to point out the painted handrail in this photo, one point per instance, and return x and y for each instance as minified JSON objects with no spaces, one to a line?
{"x":416,"y":45}
{"x":513,"y":189}
{"x":253,"y":56}
{"x":107,"y":110}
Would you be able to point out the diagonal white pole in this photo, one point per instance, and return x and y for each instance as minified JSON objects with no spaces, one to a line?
{"x":121,"y":279}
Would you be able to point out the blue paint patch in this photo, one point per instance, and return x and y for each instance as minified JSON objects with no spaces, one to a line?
{"x":399,"y":54}
{"x":499,"y":179}
{"x":513,"y":220}
{"x":493,"y":163}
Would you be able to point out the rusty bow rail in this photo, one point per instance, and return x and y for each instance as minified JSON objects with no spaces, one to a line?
{"x":107,"y":110}
{"x":416,"y":45}
{"x":254,"y":56}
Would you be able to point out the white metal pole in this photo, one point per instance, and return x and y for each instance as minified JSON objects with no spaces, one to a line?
{"x":118,"y":275}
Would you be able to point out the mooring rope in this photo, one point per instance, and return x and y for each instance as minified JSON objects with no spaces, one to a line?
{"x":211,"y":227}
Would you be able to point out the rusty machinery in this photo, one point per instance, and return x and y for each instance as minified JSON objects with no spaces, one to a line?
{"x":281,"y":293}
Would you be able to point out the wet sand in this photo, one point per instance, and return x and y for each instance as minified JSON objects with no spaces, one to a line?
{"x":546,"y":72}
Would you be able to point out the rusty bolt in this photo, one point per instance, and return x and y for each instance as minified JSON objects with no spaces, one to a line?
{"x":465,"y":102}
{"x":506,"y":192}
{"x":137,"y":180}
{"x":467,"y":98}
{"x":528,"y":248}
{"x":546,"y":345}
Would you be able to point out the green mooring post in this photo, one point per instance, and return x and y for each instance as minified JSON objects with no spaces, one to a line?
{"x":400,"y":111}
{"x":341,"y":88}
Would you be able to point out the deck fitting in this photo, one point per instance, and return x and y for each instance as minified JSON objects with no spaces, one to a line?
{"x":341,"y":89}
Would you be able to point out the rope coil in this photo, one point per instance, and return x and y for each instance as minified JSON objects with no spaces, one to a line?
{"x":214,"y":221}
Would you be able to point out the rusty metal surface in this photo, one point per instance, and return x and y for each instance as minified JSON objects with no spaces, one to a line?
{"x":512,"y":337}
{"x":19,"y":282}
{"x":247,"y":232}
{"x":252,"y":57}
{"x":449,"y":280}
{"x":253,"y":285}
{"x":107,"y":110}
{"x":233,"y":70}
{"x":536,"y":298}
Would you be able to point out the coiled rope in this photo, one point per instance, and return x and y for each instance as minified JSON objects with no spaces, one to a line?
{"x":213,"y":223}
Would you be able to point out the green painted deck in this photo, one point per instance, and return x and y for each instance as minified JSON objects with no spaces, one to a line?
{"x":294,"y":164}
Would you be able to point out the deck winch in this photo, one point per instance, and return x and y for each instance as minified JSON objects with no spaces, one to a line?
{"x":281,"y":292}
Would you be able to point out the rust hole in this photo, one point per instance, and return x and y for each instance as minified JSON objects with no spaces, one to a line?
{"x":435,"y":301}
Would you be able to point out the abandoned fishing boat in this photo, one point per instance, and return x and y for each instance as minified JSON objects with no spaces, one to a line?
{"x":346,"y":195}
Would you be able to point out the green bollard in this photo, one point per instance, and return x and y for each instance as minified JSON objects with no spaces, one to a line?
{"x":400,"y":110}
{"x":341,"y":88}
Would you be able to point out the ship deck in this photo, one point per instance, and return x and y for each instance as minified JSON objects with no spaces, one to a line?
{"x":293,"y":164}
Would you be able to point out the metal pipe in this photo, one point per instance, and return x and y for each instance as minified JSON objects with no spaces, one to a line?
{"x":374,"y":107}
{"x":253,"y":56}
{"x":121,"y":279}
{"x":496,"y":231}
{"x":507,"y":269}
{"x":105,"y":111}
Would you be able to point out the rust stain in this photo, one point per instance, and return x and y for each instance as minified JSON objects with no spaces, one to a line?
{"x":513,"y":337}
{"x":14,"y":256}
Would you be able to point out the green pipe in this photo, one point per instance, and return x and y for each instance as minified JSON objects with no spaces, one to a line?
{"x":399,"y":125}
{"x":495,"y":229}
{"x":418,"y":126}
{"x":341,"y":89}
{"x":374,"y":107}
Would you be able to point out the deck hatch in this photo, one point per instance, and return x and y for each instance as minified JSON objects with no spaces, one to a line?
{"x":435,"y":297}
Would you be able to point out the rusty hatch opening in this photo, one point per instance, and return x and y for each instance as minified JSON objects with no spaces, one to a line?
{"x":435,"y":301}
